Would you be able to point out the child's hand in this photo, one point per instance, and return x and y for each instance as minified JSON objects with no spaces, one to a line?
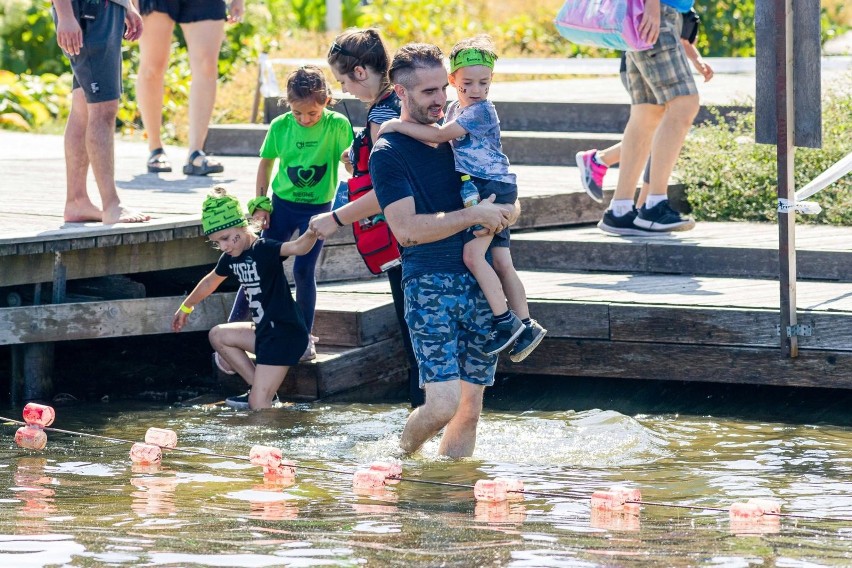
{"x":179,"y":321}
{"x":262,"y":218}
{"x":323,"y":225}
{"x":389,"y":126}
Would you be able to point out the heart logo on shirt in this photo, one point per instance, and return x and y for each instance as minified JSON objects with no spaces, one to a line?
{"x":306,"y":177}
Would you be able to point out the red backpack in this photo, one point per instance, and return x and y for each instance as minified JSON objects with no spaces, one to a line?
{"x":373,"y":237}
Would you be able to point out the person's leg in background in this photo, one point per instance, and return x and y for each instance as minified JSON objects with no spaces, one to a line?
{"x":154,"y":51}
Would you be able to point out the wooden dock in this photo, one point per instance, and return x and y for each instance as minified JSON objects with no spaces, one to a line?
{"x":701,"y":305}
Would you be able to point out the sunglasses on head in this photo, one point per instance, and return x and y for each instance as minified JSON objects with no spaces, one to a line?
{"x":337,"y":48}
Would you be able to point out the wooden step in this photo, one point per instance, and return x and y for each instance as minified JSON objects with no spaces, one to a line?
{"x":539,"y":148}
{"x":721,"y":249}
{"x":342,"y":319}
{"x":381,"y":366}
{"x":542,"y":116}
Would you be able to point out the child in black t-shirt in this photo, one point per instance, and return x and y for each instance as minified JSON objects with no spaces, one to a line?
{"x":277,"y":334}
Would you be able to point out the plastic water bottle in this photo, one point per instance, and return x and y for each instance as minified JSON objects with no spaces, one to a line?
{"x":39,"y":415}
{"x":161,"y":437}
{"x":368,"y":479}
{"x":145,"y":454}
{"x":265,"y":456}
{"x":31,"y":438}
{"x":469,"y":195}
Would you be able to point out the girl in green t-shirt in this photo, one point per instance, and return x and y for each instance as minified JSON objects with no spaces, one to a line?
{"x":307,"y":142}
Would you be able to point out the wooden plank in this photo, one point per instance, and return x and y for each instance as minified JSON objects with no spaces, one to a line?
{"x":572,"y":319}
{"x":134,"y":238}
{"x":545,"y":254}
{"x":109,"y":240}
{"x":743,"y":365}
{"x":90,"y":263}
{"x":720,"y":326}
{"x":117,"y":318}
{"x":361,"y":365}
{"x":160,"y":236}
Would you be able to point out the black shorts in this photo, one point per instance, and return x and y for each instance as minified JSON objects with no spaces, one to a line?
{"x":186,"y":11}
{"x":97,"y":68}
{"x":280,"y":345}
{"x":506,"y":194}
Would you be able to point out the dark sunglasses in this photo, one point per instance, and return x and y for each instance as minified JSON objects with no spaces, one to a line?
{"x":337,"y":48}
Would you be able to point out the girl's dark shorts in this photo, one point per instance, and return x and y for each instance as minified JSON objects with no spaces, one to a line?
{"x":280,"y":344}
{"x":186,"y":11}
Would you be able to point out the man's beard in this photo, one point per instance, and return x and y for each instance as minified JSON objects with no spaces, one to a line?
{"x":421,"y":113}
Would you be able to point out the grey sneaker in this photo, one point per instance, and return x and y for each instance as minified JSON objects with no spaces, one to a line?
{"x":503,"y":335}
{"x":527,"y":342}
{"x":661,"y":218}
{"x":241,"y":402}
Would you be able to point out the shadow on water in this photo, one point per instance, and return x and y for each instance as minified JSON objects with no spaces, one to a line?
{"x":631,"y":397}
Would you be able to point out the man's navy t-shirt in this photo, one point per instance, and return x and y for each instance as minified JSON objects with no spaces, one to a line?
{"x":404,"y":167}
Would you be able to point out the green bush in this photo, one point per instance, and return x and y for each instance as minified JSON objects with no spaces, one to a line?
{"x":730,"y":178}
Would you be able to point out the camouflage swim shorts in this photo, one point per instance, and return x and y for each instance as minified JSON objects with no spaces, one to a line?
{"x":449,"y":320}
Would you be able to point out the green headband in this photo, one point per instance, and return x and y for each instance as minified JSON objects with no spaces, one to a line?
{"x":221,"y":212}
{"x":470,"y":57}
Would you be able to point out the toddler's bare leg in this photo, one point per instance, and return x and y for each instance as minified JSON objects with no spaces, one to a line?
{"x":474,"y":259}
{"x":511,"y":283}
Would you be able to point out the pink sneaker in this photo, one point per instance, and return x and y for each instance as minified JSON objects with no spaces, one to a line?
{"x":591,"y":174}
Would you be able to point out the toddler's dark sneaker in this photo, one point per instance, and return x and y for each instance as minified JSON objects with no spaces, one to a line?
{"x":241,"y":402}
{"x":623,"y":225}
{"x":503,"y":335}
{"x":661,"y":218}
{"x":591,"y":174}
{"x":527,"y":342}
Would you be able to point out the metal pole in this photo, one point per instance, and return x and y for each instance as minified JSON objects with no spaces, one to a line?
{"x":785,"y":114}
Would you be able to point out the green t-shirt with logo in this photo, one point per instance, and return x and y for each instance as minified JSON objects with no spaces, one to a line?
{"x":307,"y":157}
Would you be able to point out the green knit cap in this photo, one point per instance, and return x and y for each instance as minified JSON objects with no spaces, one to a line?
{"x":221,"y":211}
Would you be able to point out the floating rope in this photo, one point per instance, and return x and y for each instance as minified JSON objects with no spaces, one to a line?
{"x":612,"y":500}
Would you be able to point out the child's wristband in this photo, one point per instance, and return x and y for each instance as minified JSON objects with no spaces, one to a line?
{"x":185,"y":309}
{"x":336,"y":219}
{"x":260,"y":202}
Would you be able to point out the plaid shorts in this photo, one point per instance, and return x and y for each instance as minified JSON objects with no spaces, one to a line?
{"x":662,"y":73}
{"x":449,"y":320}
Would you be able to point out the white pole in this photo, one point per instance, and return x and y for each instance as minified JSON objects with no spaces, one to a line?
{"x":333,"y":15}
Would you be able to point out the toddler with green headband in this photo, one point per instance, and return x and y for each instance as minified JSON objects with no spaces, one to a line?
{"x":276,"y":334}
{"x":472,"y":127}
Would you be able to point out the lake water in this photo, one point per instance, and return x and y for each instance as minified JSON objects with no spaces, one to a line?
{"x":80,"y":502}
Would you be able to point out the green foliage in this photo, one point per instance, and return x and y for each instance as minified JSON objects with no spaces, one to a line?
{"x":727,"y":28}
{"x":31,"y":101}
{"x":730,"y":178}
{"x":28,"y":39}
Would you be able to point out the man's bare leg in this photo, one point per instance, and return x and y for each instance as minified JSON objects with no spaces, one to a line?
{"x":78,"y":207}
{"x":100,"y":145}
{"x":267,"y":380}
{"x":442,"y":400}
{"x":459,"y":437}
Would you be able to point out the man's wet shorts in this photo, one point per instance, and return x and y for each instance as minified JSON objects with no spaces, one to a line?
{"x":662,"y":73}
{"x":97,"y":68}
{"x":449,"y":320}
{"x":186,"y":11}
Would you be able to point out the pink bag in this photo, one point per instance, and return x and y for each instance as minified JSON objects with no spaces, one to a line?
{"x":611,"y":24}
